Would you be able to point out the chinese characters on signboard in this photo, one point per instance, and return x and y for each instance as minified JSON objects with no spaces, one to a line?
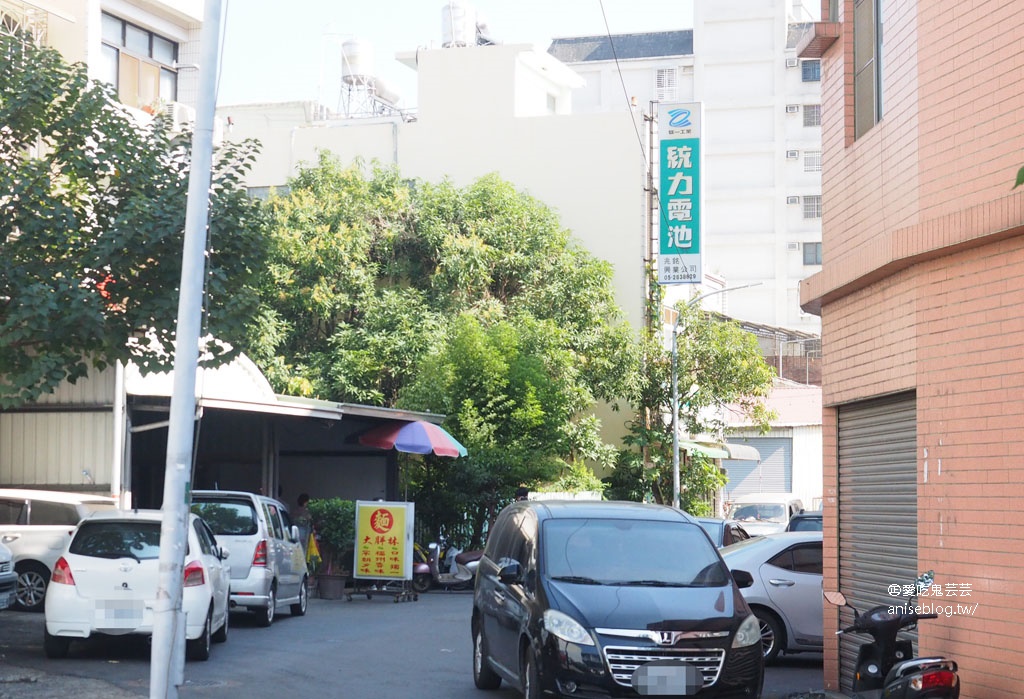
{"x":384,"y":532}
{"x":679,"y":193}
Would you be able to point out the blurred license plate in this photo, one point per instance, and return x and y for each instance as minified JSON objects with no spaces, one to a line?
{"x":666,"y":678}
{"x":6,"y":600}
{"x":115,"y":613}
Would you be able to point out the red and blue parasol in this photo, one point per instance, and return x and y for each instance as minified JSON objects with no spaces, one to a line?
{"x":417,"y":437}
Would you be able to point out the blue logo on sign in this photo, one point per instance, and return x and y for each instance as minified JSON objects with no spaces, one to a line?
{"x":679,"y":117}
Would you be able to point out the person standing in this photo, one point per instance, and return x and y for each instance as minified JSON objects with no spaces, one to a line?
{"x":304,"y":521}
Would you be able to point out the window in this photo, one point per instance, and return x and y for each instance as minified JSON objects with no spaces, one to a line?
{"x":803,"y":558}
{"x":13,"y":512}
{"x":53,"y":514}
{"x":810,"y":71}
{"x":812,"y":161}
{"x":666,"y":85}
{"x":812,"y":256}
{"x":812,"y":115}
{"x":139,"y":63}
{"x":867,"y":81}
{"x":812,"y":206}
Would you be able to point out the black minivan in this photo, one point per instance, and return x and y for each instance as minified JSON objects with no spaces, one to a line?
{"x":610,"y":599}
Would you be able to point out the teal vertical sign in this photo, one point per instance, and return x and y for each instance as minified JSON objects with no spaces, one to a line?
{"x":679,"y":193}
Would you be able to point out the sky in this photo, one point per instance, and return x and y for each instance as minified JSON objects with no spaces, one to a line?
{"x":282,"y":51}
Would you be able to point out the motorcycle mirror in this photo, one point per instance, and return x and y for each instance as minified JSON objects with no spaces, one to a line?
{"x":925,"y":580}
{"x":835,"y":597}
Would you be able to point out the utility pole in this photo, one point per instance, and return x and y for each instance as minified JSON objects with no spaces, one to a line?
{"x":167,"y":665}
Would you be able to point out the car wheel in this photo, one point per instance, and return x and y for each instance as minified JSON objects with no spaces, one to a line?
{"x":221,"y":634}
{"x":265,"y":615}
{"x":421,"y":582}
{"x":299,"y":608}
{"x":55,"y":646}
{"x":32,"y":581}
{"x":531,"y":677}
{"x":773,"y":636}
{"x":483,"y":676}
{"x":199,"y":648}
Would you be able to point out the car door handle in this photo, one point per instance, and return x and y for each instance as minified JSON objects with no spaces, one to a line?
{"x":8,"y":538}
{"x":499,"y":599}
{"x":781,"y":583}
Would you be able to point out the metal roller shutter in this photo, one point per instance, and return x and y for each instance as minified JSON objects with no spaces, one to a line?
{"x":877,"y":509}
{"x":774,"y":474}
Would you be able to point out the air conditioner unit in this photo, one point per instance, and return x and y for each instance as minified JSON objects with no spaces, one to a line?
{"x":792,"y":108}
{"x":792,"y":200}
{"x":792,"y":154}
{"x":793,"y":246}
{"x":792,"y":62}
{"x":179,"y":114}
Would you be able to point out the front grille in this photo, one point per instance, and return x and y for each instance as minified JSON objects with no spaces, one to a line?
{"x":5,"y":566}
{"x":624,"y":660}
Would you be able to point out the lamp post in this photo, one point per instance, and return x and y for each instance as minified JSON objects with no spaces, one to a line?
{"x":675,"y":387}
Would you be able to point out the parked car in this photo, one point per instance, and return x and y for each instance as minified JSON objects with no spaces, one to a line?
{"x":268,"y":566}
{"x":723,"y":531}
{"x":580,"y":598}
{"x":786,"y":594}
{"x":106,"y":583}
{"x":8,"y":578}
{"x":36,"y":525}
{"x":807,"y":521}
{"x":764,"y":513}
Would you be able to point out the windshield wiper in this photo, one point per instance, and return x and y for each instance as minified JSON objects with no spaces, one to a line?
{"x":119,"y":554}
{"x":650,"y":583}
{"x":581,"y":579}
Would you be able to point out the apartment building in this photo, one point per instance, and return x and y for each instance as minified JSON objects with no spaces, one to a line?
{"x":922,"y":313}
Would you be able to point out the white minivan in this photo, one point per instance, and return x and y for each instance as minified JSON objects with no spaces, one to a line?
{"x":268,"y":567}
{"x":764,"y":513}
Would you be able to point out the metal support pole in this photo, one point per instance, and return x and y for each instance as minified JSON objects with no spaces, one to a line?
{"x":675,"y":385}
{"x":167,"y":665}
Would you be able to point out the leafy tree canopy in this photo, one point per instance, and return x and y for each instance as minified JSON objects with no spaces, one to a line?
{"x":92,"y":217}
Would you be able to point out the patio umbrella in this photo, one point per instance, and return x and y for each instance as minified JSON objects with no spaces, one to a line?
{"x":416,"y":437}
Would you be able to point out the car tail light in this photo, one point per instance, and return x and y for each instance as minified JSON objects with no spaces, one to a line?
{"x":62,"y":573}
{"x":936,"y":678}
{"x":194,"y":574}
{"x":259,"y":556}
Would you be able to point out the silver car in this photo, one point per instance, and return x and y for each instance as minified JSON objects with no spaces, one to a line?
{"x":8,"y":578}
{"x":786,"y":594}
{"x":268,"y":566}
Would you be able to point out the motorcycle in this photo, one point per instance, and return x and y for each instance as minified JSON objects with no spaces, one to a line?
{"x":446,"y":565}
{"x":886,"y":666}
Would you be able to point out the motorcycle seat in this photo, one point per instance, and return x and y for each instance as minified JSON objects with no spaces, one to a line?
{"x":467,"y":557}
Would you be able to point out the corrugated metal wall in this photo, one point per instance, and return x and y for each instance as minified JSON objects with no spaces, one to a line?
{"x":877,"y":509}
{"x":63,"y":440}
{"x":773,"y":475}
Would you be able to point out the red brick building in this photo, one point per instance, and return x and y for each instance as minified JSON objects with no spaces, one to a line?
{"x":921,"y":296}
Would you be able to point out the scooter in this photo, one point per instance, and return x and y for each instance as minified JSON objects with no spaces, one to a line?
{"x":886,"y":667}
{"x":450,"y":566}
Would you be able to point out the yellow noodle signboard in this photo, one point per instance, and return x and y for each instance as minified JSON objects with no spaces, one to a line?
{"x":384,"y":533}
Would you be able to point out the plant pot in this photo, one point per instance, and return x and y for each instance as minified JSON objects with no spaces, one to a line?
{"x":331,"y":586}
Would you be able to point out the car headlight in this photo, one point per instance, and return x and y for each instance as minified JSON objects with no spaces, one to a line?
{"x":566,"y":628}
{"x":748,"y":634}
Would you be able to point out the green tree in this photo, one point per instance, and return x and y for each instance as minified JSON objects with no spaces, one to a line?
{"x":92,"y":215}
{"x":719,"y":364}
{"x":472,"y":301}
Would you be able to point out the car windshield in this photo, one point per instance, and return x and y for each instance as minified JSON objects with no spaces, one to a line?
{"x":631,"y":552}
{"x":117,"y":539}
{"x":232,"y":518}
{"x":759,"y":512}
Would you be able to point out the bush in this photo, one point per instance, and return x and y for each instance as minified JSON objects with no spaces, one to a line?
{"x":334,"y":521}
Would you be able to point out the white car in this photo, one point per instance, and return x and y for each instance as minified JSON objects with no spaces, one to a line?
{"x":36,"y":525}
{"x":106,"y":583}
{"x":8,"y":578}
{"x":786,"y":594}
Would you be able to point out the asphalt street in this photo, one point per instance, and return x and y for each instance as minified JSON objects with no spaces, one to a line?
{"x":342,"y":649}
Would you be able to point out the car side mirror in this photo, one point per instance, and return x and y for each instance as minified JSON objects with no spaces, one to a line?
{"x":511,"y":573}
{"x":295,"y":534}
{"x":743,"y":578}
{"x":222,"y":553}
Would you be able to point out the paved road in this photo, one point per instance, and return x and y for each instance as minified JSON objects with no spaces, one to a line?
{"x":347,"y":650}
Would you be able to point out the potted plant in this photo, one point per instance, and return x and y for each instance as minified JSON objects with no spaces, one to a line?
{"x":334,"y":522}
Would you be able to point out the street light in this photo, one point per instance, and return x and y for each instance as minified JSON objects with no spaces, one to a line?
{"x":675,"y":387}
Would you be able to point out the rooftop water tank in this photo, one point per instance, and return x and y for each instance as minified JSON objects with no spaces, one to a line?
{"x":458,"y":24}
{"x":356,"y":61}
